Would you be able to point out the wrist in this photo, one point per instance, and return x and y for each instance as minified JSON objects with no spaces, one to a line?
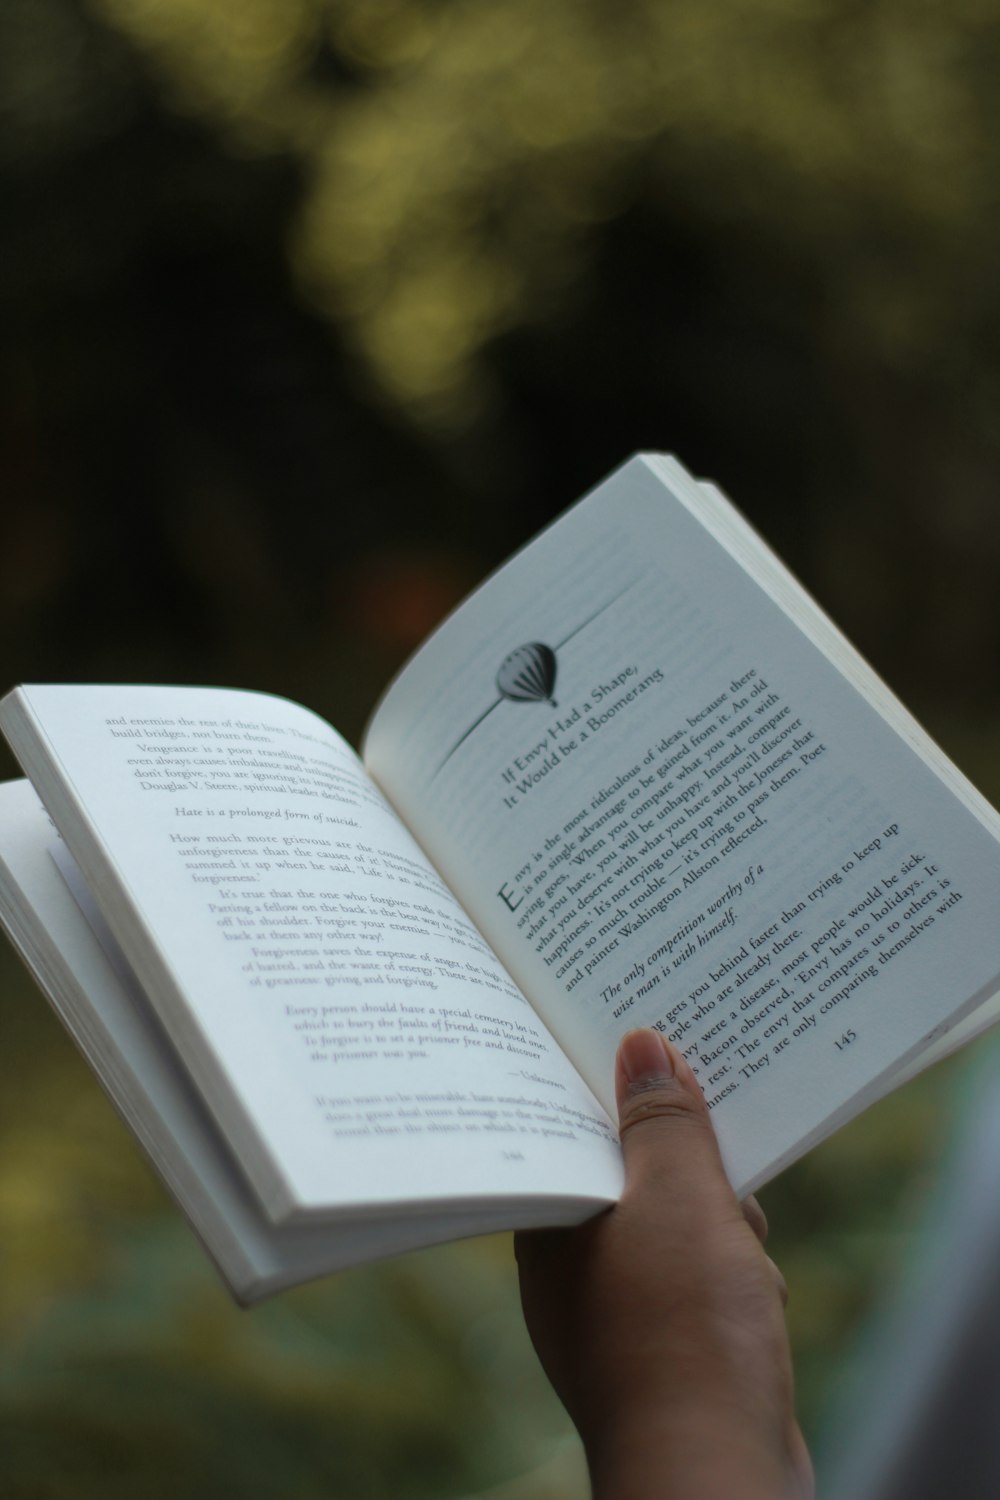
{"x":708,"y":1450}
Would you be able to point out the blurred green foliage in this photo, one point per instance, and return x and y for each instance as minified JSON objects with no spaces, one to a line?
{"x":314,"y":309}
{"x":283,"y":279}
{"x":460,"y":187}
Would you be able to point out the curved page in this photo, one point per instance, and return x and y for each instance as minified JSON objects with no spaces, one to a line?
{"x":355,"y":1038}
{"x":665,"y":805}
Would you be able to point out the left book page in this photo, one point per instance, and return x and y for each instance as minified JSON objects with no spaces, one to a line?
{"x":356,"y":1040}
{"x":63,"y":941}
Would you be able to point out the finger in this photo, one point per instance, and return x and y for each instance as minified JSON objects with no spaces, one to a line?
{"x":532,"y":1245}
{"x":755,"y":1217}
{"x":780,"y":1281}
{"x":653,"y":1081}
{"x":663,"y":1119}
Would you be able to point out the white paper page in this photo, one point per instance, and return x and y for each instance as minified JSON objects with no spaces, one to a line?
{"x":354,"y":1037}
{"x":699,"y":824}
{"x":748,"y":547}
{"x":95,"y":996}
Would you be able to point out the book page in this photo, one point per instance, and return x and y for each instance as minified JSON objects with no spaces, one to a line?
{"x":85,"y":978}
{"x":353,"y":1035}
{"x":665,"y":806}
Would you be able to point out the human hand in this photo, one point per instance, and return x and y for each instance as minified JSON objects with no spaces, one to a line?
{"x":660,"y":1323}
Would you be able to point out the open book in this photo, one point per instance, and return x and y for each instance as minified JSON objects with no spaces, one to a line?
{"x":637,"y":778}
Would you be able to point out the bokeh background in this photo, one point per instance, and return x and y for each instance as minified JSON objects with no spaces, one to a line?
{"x":312,"y":311}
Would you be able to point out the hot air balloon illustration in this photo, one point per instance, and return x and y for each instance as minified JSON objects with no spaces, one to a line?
{"x":528,"y":675}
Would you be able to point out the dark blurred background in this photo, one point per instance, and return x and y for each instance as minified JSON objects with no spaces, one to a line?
{"x":313,"y":310}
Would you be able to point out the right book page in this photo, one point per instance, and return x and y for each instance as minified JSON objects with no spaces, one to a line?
{"x":664,"y":804}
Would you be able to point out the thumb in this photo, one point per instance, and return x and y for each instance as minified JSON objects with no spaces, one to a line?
{"x":663,"y":1120}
